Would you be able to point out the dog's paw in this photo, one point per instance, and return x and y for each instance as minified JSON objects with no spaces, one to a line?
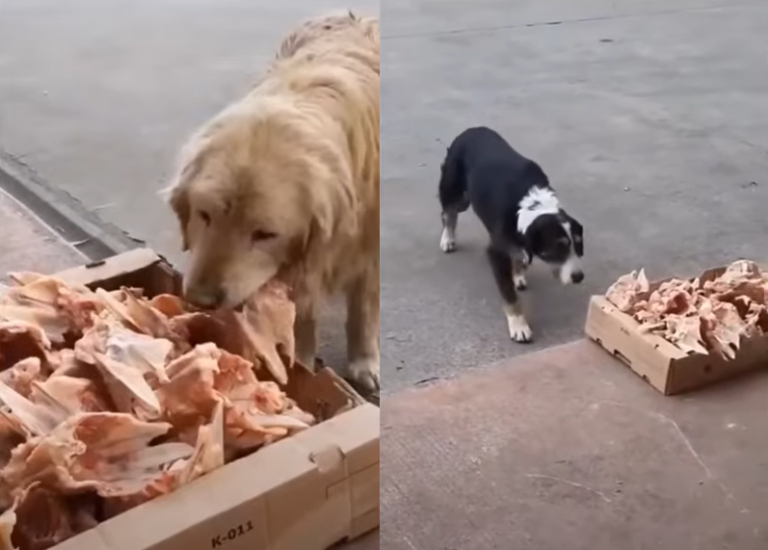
{"x":519,"y":330}
{"x":364,"y":375}
{"x":520,"y":281}
{"x":447,"y":241}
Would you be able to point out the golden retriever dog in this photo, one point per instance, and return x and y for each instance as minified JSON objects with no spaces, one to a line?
{"x":285,"y":183}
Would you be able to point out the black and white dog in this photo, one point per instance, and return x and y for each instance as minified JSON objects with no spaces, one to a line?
{"x":512,"y":197}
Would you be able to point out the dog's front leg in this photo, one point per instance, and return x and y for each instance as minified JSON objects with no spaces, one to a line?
{"x":519,"y":265}
{"x":450,"y":219}
{"x":363,"y":332}
{"x":305,"y":333}
{"x":501,"y":265}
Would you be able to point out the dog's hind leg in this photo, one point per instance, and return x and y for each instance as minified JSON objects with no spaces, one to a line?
{"x":363,"y":332}
{"x":453,"y":200}
{"x":501,"y":265}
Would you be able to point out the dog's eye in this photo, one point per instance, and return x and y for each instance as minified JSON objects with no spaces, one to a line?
{"x":260,"y":235}
{"x":205,"y":217}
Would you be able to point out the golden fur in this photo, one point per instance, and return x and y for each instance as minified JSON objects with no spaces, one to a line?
{"x":285,"y":182}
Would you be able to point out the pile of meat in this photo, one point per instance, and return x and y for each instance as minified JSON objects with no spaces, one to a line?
{"x":109,"y":399}
{"x":699,"y":316}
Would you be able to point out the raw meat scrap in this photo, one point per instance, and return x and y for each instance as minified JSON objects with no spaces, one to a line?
{"x":106,"y":452}
{"x":10,"y":438}
{"x":147,"y":354}
{"x":261,"y":333}
{"x":64,"y":362}
{"x":20,"y":340}
{"x":209,"y":449}
{"x":201,"y":328}
{"x":21,"y":376}
{"x":45,"y":518}
{"x":169,"y":305}
{"x":207,"y":376}
{"x":208,"y":455}
{"x":135,"y":313}
{"x":106,"y":346}
{"x":109,"y":399}
{"x":700,"y":316}
{"x":33,"y":419}
{"x":51,"y":304}
{"x":267,"y":323}
{"x":686,"y":332}
{"x":627,"y":290}
{"x":7,"y":525}
{"x":722,"y":327}
{"x":75,"y":395}
{"x":189,"y":399}
{"x":254,"y":415}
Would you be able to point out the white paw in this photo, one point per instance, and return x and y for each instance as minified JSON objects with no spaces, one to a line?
{"x":447,"y":241}
{"x":519,"y":330}
{"x":520,"y":282}
{"x":363,"y":374}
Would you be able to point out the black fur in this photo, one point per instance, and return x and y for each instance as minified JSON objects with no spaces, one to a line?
{"x":482,"y":170}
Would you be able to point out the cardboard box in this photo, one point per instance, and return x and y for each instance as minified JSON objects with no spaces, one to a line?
{"x":668,"y":368}
{"x":305,"y":492}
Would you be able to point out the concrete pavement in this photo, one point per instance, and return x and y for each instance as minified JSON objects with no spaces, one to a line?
{"x":649,"y":116}
{"x":29,"y":245}
{"x":568,"y":449}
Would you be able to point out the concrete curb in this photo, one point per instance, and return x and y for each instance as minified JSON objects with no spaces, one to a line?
{"x":83,"y":229}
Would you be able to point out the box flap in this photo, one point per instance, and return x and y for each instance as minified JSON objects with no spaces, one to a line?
{"x":127,"y":262}
{"x":142,"y":267}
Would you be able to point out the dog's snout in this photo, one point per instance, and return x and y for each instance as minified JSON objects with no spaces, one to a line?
{"x":577,"y":277}
{"x":205,"y":298}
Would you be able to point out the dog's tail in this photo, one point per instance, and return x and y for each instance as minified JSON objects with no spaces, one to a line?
{"x":453,"y":184}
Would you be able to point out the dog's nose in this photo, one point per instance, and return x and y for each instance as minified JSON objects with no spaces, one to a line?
{"x":205,"y":298}
{"x":577,"y":277}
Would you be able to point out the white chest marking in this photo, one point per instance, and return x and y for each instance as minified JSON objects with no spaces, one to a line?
{"x":538,"y":201}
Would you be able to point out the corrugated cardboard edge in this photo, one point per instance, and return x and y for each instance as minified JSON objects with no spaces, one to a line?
{"x":647,"y":355}
{"x":666,"y":367}
{"x":305,"y":492}
{"x":133,"y":260}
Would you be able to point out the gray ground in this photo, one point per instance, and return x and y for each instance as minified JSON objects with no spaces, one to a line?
{"x":28,"y":245}
{"x":650,"y":118}
{"x":567,"y":449}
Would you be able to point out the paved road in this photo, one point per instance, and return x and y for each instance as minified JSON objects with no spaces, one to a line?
{"x":649,"y":116}
{"x":27,"y":244}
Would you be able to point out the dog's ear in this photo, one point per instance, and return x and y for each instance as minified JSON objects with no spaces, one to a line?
{"x":577,"y":233}
{"x":177,"y":196}
{"x":190,"y":164}
{"x":178,"y":199}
